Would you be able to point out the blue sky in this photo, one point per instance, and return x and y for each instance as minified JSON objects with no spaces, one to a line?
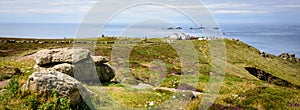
{"x":225,"y":11}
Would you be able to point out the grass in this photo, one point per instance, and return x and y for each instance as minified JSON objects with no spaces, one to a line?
{"x":15,"y":49}
{"x":241,"y":55}
{"x":139,"y":99}
{"x":240,"y":89}
{"x":13,"y":98}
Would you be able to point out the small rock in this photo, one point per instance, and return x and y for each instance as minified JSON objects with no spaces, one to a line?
{"x":263,"y":54}
{"x":143,"y":86}
{"x":173,"y":96}
{"x":235,"y":96}
{"x":185,"y":86}
{"x":151,"y":103}
{"x":4,"y":83}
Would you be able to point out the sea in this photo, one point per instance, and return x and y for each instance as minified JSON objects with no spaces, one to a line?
{"x":271,"y":38}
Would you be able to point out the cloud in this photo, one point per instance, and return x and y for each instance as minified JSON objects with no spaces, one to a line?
{"x":227,"y":5}
{"x":270,"y":7}
{"x":239,"y":12}
{"x":76,"y":9}
{"x":45,"y":6}
{"x":287,"y":6}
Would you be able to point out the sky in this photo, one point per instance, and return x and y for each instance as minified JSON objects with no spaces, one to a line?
{"x":224,"y":11}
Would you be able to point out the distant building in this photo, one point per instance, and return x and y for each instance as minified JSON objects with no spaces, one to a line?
{"x":202,"y":38}
{"x":179,"y":36}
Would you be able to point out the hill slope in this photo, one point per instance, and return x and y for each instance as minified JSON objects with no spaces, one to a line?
{"x":252,"y":81}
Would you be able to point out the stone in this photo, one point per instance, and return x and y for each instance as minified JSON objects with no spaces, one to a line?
{"x":62,"y":55}
{"x":45,"y":81}
{"x":298,"y":60}
{"x":99,"y":59}
{"x":263,"y":54}
{"x":284,"y":55}
{"x":89,"y":71}
{"x":65,"y":68}
{"x":264,"y":76}
{"x":8,"y":71}
{"x":194,"y":93}
{"x":292,"y":55}
{"x":289,"y":57}
{"x":185,"y":86}
{"x":85,"y":71}
{"x":143,"y":86}
{"x":3,"y":84}
{"x":77,"y":63}
{"x":105,"y":72}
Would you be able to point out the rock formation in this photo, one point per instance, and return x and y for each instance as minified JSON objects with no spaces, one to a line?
{"x":66,"y":86}
{"x":64,"y":69}
{"x":262,"y":75}
{"x":77,"y":63}
{"x":290,"y":57}
{"x":264,"y":54}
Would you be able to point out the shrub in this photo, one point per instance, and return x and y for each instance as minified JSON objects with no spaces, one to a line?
{"x":13,"y":87}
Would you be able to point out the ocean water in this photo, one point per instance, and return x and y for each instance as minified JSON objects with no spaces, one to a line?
{"x":270,"y":38}
{"x":34,"y":30}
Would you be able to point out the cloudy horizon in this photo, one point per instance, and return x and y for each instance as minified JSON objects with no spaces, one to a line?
{"x":226,"y":11}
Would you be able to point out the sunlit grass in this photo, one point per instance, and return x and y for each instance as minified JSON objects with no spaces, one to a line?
{"x":239,"y":89}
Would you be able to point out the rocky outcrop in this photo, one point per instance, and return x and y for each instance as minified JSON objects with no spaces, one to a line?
{"x":264,"y":54}
{"x":72,"y":61}
{"x":66,"y":86}
{"x":262,"y":75}
{"x":289,"y":57}
{"x":65,"y":69}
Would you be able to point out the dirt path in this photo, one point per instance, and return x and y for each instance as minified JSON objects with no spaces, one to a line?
{"x":177,"y":90}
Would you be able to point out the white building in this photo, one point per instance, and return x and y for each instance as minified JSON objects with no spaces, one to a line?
{"x":179,"y":36}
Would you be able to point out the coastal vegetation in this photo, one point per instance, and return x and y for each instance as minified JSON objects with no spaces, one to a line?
{"x":252,"y":81}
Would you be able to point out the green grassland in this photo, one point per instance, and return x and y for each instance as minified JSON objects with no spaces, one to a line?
{"x":240,"y":89}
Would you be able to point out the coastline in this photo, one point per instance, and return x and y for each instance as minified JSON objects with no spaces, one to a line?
{"x":267,"y":37}
{"x":71,"y":41}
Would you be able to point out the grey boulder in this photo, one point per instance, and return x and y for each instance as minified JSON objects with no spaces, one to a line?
{"x":75,"y":62}
{"x":105,"y":72}
{"x":44,"y":82}
{"x":61,"y":55}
